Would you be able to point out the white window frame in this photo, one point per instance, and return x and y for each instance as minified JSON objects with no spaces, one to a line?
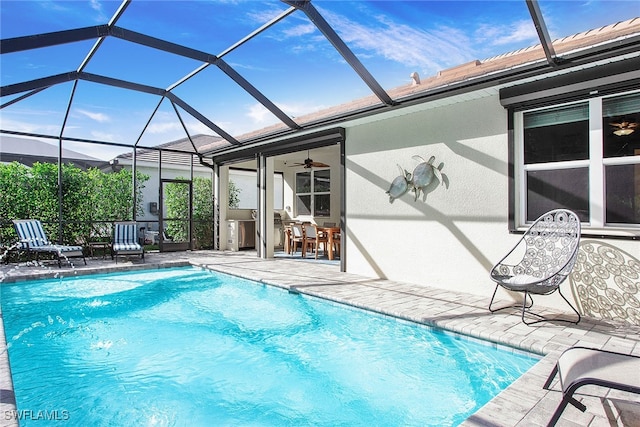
{"x":312,"y":194}
{"x":596,"y":164}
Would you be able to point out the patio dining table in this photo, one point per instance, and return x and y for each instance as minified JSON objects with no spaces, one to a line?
{"x":331,"y":232}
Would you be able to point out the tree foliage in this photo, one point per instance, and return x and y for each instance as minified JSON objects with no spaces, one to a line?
{"x":87,"y":197}
{"x":234,"y":195}
{"x":177,"y":208}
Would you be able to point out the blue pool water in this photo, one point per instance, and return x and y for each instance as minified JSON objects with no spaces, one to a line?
{"x":190,"y":347}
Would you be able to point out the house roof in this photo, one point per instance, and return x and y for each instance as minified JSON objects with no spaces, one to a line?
{"x":29,"y":151}
{"x":177,"y":152}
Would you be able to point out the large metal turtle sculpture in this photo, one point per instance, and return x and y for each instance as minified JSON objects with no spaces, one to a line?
{"x":399,"y":185}
{"x":423,"y":174}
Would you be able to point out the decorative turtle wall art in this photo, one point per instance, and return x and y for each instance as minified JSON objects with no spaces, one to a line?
{"x":399,"y":185}
{"x":422,"y":177}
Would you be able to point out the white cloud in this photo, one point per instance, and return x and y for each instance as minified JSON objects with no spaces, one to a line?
{"x":516,"y":32}
{"x":158,"y":128}
{"x":300,"y":30}
{"x":258,"y":113}
{"x":98,"y":117}
{"x":97,"y":6}
{"x":428,"y":50}
{"x":35,"y":126}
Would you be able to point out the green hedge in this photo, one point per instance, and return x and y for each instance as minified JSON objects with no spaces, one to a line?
{"x":88,"y":197}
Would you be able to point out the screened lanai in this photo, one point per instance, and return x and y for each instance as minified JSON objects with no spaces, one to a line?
{"x":212,"y":84}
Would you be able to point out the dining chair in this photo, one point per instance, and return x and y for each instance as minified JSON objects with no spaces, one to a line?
{"x":336,"y":243}
{"x":297,"y":236}
{"x":314,"y":238}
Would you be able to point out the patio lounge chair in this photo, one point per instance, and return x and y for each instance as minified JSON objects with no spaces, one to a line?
{"x":579,"y":366}
{"x":125,"y":240}
{"x":33,"y":240}
{"x":540,"y":262}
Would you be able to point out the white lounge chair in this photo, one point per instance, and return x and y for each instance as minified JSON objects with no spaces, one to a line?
{"x":33,"y":240}
{"x":579,"y":366}
{"x":540,"y":261}
{"x":125,"y":240}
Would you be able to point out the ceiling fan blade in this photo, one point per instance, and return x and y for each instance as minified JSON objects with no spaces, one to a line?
{"x":319,"y":165}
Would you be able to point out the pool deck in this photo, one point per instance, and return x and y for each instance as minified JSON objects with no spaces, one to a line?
{"x":524,"y":403}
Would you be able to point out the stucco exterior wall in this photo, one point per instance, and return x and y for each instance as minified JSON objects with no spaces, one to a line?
{"x":452,"y":239}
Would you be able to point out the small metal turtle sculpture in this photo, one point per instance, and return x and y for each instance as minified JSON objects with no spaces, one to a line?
{"x":399,"y":185}
{"x":423,"y":175}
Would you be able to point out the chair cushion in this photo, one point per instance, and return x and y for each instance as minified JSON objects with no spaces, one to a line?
{"x":61,"y":250}
{"x":521,"y":279}
{"x":31,"y":232}
{"x":125,"y":234}
{"x":119,"y":247}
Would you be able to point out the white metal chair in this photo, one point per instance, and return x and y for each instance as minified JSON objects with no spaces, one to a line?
{"x":581,"y":366}
{"x":33,"y":240}
{"x":540,"y":262}
{"x":125,"y":240}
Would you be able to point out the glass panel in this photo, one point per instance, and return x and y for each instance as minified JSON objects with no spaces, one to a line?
{"x":322,"y":206}
{"x":176,"y":213}
{"x":243,"y":187}
{"x":303,"y":205}
{"x":621,"y":126}
{"x":623,"y":194}
{"x":553,"y":189}
{"x":176,"y":231}
{"x":303,"y":182}
{"x":557,"y":134}
{"x":321,"y":181}
{"x":278,"y":191}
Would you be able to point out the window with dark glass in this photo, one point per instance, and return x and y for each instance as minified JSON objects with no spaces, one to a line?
{"x":576,"y":159}
{"x":621,"y":138}
{"x":313,"y":192}
{"x":557,"y":134}
{"x":553,"y":136}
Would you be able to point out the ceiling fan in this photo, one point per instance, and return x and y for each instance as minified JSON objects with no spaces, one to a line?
{"x":624,"y":127}
{"x":308,"y":163}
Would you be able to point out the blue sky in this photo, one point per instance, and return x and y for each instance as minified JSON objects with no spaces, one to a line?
{"x":291,"y":63}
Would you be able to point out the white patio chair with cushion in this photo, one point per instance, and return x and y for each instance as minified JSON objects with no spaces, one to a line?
{"x":540,"y":262}
{"x":33,"y":240}
{"x":297,"y":236}
{"x":125,"y":240}
{"x":580,"y":366}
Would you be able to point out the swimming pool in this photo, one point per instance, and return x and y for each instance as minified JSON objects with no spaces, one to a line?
{"x":191,"y":347}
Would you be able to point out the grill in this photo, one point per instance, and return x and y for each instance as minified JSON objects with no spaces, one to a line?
{"x":278,"y":230}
